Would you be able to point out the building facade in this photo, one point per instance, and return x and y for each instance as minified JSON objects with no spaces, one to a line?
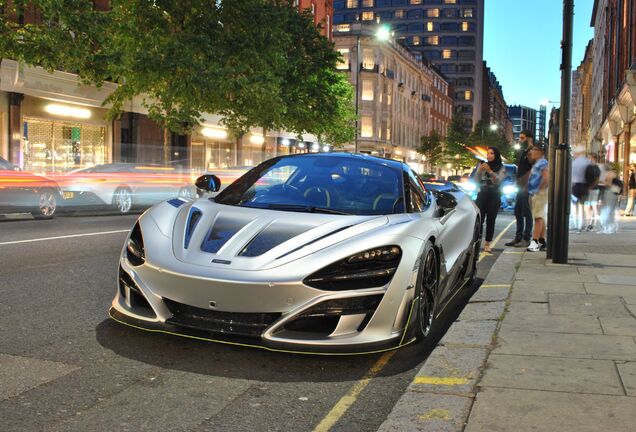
{"x":393,"y":93}
{"x":441,"y":104}
{"x":447,"y":33}
{"x":597,"y":109}
{"x":494,"y":107}
{"x":522,"y":118}
{"x":322,"y":11}
{"x":541,"y":135}
{"x":581,"y":112}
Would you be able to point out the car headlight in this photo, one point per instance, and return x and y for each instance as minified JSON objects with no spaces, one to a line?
{"x":371,"y":268}
{"x":468,"y":186}
{"x":135,"y":247}
{"x":510,"y":189}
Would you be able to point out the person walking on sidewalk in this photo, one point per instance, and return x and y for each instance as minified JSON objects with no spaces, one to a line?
{"x":490,"y":174}
{"x":538,"y":191}
{"x":612,"y":191}
{"x":592,"y":178}
{"x":631,"y":191}
{"x":523,"y":215}
{"x":580,"y":188}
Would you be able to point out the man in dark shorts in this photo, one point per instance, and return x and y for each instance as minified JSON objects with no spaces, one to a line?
{"x":523,"y":214}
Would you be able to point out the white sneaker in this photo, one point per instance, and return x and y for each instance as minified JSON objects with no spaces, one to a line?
{"x":534,"y":246}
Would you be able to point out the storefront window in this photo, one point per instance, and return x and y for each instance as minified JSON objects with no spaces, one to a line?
{"x":55,"y":147}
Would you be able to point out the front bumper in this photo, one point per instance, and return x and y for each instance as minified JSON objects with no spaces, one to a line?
{"x":369,"y":322}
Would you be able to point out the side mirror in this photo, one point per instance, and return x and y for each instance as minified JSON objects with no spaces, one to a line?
{"x":445,"y":202}
{"x":208,"y":183}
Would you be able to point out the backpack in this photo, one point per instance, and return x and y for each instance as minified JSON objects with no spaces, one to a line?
{"x":592,"y":174}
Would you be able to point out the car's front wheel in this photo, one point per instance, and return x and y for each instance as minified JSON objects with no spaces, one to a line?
{"x":47,"y":204}
{"x":426,"y":291}
{"x":123,"y":200}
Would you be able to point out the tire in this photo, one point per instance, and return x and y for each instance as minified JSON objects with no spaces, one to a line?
{"x":47,"y":204}
{"x":426,"y":292}
{"x":123,"y":200}
{"x":476,"y":247}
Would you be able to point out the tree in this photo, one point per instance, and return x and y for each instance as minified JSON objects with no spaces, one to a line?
{"x":484,"y":136}
{"x":257,"y":63}
{"x":432,"y":148}
{"x":455,"y":149}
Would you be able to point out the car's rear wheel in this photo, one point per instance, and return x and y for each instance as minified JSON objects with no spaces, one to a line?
{"x":476,"y":247}
{"x":47,"y":204}
{"x":123,"y":200}
{"x":426,"y":291}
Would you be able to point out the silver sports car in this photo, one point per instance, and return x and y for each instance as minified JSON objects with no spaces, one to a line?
{"x":337,"y":253}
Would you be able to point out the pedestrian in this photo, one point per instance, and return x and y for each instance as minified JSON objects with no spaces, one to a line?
{"x":580,"y":187}
{"x":592,"y":178}
{"x":613,"y":190}
{"x":523,"y":215}
{"x":538,"y":192}
{"x":631,"y":190}
{"x":489,"y":177}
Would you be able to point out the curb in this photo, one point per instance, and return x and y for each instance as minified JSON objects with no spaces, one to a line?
{"x":443,"y":391}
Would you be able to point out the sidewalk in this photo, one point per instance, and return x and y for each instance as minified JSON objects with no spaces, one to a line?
{"x":540,"y":347}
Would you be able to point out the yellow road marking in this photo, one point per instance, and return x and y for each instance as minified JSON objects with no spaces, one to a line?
{"x":447,"y":381}
{"x":495,"y":286}
{"x":347,"y":400}
{"x":494,"y":243}
{"x":512,"y":252}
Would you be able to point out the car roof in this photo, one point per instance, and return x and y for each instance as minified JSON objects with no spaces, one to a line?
{"x":353,"y":156}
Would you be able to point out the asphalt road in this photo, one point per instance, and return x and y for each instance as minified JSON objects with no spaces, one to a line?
{"x":64,"y":366}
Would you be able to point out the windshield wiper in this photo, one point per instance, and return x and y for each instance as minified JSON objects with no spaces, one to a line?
{"x":303,"y":208}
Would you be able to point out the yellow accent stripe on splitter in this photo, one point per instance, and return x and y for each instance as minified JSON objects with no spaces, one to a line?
{"x":495,"y":286}
{"x":443,"y":381}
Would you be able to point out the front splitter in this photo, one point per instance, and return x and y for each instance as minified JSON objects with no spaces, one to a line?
{"x":227,"y":339}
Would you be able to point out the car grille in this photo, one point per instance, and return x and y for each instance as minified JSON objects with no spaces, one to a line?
{"x":231,"y":323}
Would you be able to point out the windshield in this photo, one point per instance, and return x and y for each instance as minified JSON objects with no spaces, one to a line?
{"x":319,"y":184}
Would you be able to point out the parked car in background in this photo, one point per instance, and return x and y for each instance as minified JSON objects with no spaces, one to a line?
{"x":124,"y":186}
{"x":26,"y":192}
{"x":508,"y":186}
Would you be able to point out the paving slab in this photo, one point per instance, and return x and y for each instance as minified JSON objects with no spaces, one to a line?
{"x":611,"y":259}
{"x":619,"y":326}
{"x":529,"y":295}
{"x":627,"y":373}
{"x":20,"y":374}
{"x":471,"y":333}
{"x":515,"y":321}
{"x":506,"y":410}
{"x":450,"y":370}
{"x":617,"y":279}
{"x":623,"y":271}
{"x":595,"y":305}
{"x":552,"y":374}
{"x":631,"y":308}
{"x":482,"y":311}
{"x":490,"y":294}
{"x":418,"y":412}
{"x":549,"y":286}
{"x":627,"y":292}
{"x":537,"y":277}
{"x":528,"y":308}
{"x":566,"y":345}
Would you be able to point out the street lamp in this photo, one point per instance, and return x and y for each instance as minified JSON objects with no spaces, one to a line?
{"x":492,"y":127}
{"x":382,"y":34}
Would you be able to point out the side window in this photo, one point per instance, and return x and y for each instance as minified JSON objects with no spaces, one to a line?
{"x":417,"y":202}
{"x":420,"y":199}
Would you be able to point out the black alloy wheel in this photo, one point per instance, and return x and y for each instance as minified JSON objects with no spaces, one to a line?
{"x":426,"y":291}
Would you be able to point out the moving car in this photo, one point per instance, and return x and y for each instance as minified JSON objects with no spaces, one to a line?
{"x":330,"y":252}
{"x":124,"y":186}
{"x":26,"y":192}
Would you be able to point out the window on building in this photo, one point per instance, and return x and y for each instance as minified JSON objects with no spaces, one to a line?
{"x":467,"y":13}
{"x":367,"y":3}
{"x":343,"y":27}
{"x":468,"y":95}
{"x":352,"y":4}
{"x":344,"y":63}
{"x":432,"y":40}
{"x":466,"y":55}
{"x":400,"y":13}
{"x":416,"y":40}
{"x":388,"y":133}
{"x":429,"y":26}
{"x":465,"y":26}
{"x":368,"y":60}
{"x":389,"y":95}
{"x":367,"y":90}
{"x":449,"y":13}
{"x":446,"y":54}
{"x":416,"y":2}
{"x":366,"y":128}
{"x":367,"y":16}
{"x":450,"y":1}
{"x":432,"y":13}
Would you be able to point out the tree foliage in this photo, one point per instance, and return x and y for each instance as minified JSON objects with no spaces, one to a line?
{"x":432,"y":147}
{"x":257,"y":63}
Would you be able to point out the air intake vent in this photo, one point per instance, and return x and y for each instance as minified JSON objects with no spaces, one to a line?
{"x":271,"y":237}
{"x":193,"y":219}
{"x":222,"y":231}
